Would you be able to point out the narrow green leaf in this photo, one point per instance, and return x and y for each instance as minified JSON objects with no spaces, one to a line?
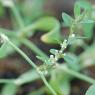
{"x":77,"y":10}
{"x":60,"y":81}
{"x":91,"y":90}
{"x":53,"y":51}
{"x":72,"y":61}
{"x":9,"y":89}
{"x":84,"y":4}
{"x":51,"y":26}
{"x":67,"y":19}
{"x":65,"y":86}
{"x":41,"y":58}
{"x":2,"y":11}
{"x":88,"y":29}
{"x":6,"y":49}
{"x":27,"y":77}
{"x":87,"y":21}
{"x":81,"y":37}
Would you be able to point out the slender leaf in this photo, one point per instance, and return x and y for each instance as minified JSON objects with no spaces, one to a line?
{"x":41,"y":58}
{"x":9,"y":89}
{"x":87,"y":21}
{"x":67,"y":19}
{"x":88,"y":29}
{"x":77,"y":10}
{"x":91,"y":90}
{"x":53,"y":51}
{"x":27,"y":77}
{"x":84,"y":4}
{"x":72,"y":61}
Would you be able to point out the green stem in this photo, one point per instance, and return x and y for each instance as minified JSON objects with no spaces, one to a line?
{"x":21,"y":24}
{"x":22,"y":54}
{"x":17,"y":15}
{"x":20,"y":20}
{"x":47,"y":84}
{"x":26,"y":42}
{"x":28,"y":28}
{"x":39,"y":91}
{"x":77,"y":74}
{"x":34,"y":48}
{"x":7,"y":80}
{"x":8,"y":32}
{"x":30,"y":62}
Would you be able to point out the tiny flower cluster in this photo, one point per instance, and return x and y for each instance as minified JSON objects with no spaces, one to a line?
{"x":58,"y":53}
{"x":55,"y":56}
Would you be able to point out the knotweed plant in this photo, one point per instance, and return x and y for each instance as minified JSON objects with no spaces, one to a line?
{"x":83,"y":14}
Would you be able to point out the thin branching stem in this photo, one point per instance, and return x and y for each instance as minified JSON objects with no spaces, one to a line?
{"x":30,"y":62}
{"x":7,"y":81}
{"x":20,"y":22}
{"x":17,"y":15}
{"x":77,"y":74}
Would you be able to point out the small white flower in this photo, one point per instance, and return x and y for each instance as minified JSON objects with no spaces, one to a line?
{"x":52,"y":59}
{"x":73,"y":35}
{"x":64,"y":44}
{"x":60,"y":51}
{"x":51,"y":56}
